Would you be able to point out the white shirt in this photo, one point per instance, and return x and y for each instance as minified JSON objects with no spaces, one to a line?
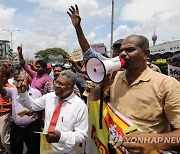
{"x":72,"y":121}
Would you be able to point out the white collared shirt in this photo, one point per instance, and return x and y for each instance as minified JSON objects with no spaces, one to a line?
{"x":72,"y":121}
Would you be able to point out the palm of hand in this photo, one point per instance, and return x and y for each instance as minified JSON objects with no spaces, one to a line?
{"x":74,"y":15}
{"x":75,"y":19}
{"x":19,"y":49}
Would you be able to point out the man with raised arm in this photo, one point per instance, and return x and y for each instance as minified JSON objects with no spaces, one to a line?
{"x":39,"y":77}
{"x":149,"y":99}
{"x":22,"y":125}
{"x":87,"y":50}
{"x":66,"y":115}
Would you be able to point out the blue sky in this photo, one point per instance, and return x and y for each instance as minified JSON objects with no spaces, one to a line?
{"x":45,"y":23}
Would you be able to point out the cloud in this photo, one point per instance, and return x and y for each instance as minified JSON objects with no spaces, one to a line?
{"x":141,"y":11}
{"x":87,"y":8}
{"x":6,"y":15}
{"x":99,"y":27}
{"x":145,"y":16}
{"x":46,"y":24}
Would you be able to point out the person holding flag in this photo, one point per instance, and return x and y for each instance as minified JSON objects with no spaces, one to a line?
{"x":147,"y":98}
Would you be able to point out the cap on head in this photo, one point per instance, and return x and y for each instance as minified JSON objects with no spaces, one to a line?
{"x":118,"y":42}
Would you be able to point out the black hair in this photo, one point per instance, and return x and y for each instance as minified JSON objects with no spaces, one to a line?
{"x":143,"y":41}
{"x":18,"y":67}
{"x":42,"y":63}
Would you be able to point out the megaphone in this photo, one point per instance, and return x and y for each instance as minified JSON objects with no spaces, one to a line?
{"x":98,"y":69}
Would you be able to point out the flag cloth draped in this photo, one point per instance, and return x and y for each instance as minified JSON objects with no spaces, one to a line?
{"x":113,"y":123}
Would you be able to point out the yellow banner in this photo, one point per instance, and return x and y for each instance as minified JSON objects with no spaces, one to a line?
{"x":112,"y":126}
{"x":103,"y":141}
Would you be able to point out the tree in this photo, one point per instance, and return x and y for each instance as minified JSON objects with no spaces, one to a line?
{"x":47,"y":54}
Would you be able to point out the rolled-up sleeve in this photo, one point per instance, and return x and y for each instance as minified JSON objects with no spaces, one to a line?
{"x":92,"y":53}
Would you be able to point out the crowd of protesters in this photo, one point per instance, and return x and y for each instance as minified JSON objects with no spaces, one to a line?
{"x":20,"y":128}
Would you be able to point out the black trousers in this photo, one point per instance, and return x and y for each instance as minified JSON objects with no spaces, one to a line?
{"x":20,"y":135}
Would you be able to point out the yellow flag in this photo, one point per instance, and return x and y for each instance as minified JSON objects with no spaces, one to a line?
{"x":45,"y":147}
{"x":115,"y":125}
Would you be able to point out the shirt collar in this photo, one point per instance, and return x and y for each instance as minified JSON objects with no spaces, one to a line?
{"x":70,"y":98}
{"x":145,"y":76}
{"x":42,"y":75}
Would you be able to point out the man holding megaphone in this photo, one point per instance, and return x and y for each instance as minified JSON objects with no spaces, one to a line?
{"x":104,"y":64}
{"x":148,"y":98}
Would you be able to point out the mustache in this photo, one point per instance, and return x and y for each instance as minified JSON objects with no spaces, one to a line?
{"x":127,"y":62}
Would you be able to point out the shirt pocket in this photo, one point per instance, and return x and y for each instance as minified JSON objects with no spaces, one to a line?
{"x":143,"y":109}
{"x":66,"y":123}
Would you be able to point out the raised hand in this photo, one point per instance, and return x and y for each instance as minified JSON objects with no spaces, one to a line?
{"x":74,"y":15}
{"x":70,"y":60}
{"x":8,"y":64}
{"x":19,"y":49}
{"x":21,"y":58}
{"x":6,"y":70}
{"x":5,"y":74}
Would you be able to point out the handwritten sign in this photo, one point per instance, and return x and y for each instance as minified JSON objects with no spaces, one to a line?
{"x":77,"y":55}
{"x":100,"y":47}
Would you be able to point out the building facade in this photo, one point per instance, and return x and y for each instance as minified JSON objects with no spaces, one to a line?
{"x":165,"y":50}
{"x":5,"y":52}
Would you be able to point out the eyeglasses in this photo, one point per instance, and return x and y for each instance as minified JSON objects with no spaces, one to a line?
{"x":60,"y":84}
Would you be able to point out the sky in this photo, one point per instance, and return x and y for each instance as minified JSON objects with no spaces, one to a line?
{"x":45,"y":24}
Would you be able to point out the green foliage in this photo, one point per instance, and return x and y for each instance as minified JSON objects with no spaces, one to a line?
{"x":161,"y":62}
{"x":49,"y":53}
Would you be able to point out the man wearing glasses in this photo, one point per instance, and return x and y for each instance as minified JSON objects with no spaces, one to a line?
{"x":66,"y":115}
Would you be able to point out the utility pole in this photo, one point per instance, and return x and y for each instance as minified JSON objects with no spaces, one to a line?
{"x":11,"y":33}
{"x":112,"y":28}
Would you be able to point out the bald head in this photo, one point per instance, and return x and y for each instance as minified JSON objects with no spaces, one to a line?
{"x":23,"y":77}
{"x":142,"y":41}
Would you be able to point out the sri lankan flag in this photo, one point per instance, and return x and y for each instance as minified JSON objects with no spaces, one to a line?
{"x":114,"y":125}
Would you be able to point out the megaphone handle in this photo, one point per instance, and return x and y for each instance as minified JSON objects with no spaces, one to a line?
{"x":101,"y":107}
